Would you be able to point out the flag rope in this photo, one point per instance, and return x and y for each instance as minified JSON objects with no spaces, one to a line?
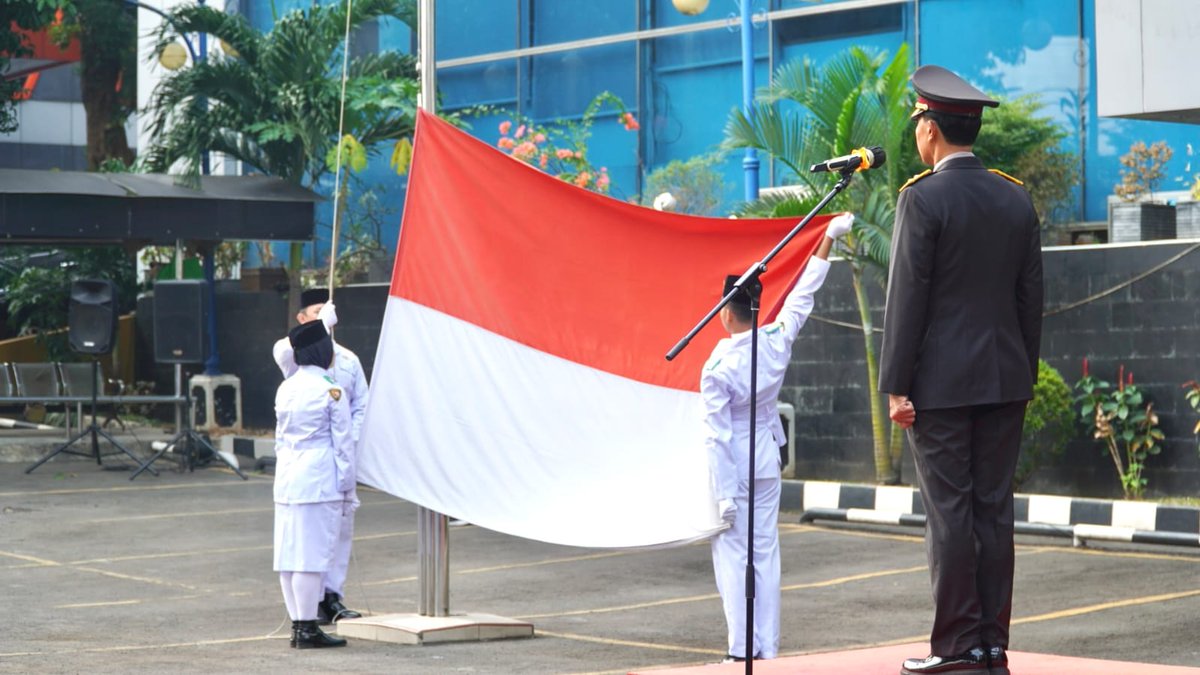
{"x":337,"y":168}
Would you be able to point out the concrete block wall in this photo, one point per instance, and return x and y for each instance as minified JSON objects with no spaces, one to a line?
{"x":1151,"y":326}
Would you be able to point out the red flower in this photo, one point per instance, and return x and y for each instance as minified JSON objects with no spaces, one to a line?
{"x":1121,"y":378}
{"x":630,"y":123}
{"x":1085,"y":368}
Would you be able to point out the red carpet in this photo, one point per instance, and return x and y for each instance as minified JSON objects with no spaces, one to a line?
{"x":886,"y":661}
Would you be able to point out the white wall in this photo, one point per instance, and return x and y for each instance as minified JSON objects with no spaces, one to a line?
{"x":1145,"y":59}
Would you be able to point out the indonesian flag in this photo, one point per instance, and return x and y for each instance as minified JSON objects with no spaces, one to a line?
{"x":520,"y":382}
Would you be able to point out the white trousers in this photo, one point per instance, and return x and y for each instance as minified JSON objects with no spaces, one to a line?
{"x":729,"y":567}
{"x":335,"y":576}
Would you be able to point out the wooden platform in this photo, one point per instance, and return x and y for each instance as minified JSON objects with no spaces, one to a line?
{"x":887,"y":660}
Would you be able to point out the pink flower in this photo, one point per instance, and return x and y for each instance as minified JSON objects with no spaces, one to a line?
{"x":582,"y":179}
{"x":539,"y":137}
{"x":506,"y":143}
{"x":578,"y":154}
{"x":563,"y":153}
{"x":630,"y":123}
{"x":602,"y":181}
{"x":543,"y":160}
{"x":525,"y":150}
{"x":505,"y":126}
{"x":520,"y":131}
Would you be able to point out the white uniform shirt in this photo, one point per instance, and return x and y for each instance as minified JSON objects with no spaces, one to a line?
{"x":314,"y":453}
{"x":348,"y":372}
{"x":725,"y":388}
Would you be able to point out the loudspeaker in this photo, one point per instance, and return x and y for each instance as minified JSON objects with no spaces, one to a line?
{"x":181,"y":321}
{"x":92,"y":316}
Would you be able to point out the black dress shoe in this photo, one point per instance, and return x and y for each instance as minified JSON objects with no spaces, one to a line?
{"x":974,"y":660}
{"x":997,"y":661}
{"x":310,"y":636}
{"x":295,"y":633}
{"x":331,"y":609}
{"x":730,"y":658}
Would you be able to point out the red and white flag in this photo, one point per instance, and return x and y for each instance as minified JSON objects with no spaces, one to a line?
{"x":520,"y":382}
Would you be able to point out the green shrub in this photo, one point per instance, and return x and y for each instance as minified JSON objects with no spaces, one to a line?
{"x":1048,"y":423}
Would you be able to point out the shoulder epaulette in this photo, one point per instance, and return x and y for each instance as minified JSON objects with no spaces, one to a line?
{"x":329,"y":379}
{"x":713,"y":364}
{"x":773,"y":328}
{"x":1000,"y":173}
{"x":916,"y":178}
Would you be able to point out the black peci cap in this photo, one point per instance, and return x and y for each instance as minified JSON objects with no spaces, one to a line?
{"x":742,"y":298}
{"x":941,"y":91}
{"x":314,"y":296}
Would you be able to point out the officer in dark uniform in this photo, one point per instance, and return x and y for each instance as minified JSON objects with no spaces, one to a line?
{"x":960,"y":350}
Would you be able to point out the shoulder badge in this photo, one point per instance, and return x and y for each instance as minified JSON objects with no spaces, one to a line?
{"x":1000,"y":173}
{"x":336,"y":394}
{"x":713,"y":364}
{"x":329,"y":379}
{"x":916,"y":178}
{"x":773,"y":328}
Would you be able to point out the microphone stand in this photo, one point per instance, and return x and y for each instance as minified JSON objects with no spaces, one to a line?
{"x":747,"y":281}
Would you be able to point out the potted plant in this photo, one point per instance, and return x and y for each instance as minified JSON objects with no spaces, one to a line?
{"x":1138,"y":217}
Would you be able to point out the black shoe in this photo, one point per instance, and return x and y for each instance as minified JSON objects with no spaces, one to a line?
{"x":974,"y":660}
{"x":331,"y":609}
{"x":997,"y":661}
{"x":730,"y":658}
{"x":295,"y":633}
{"x":310,"y":636}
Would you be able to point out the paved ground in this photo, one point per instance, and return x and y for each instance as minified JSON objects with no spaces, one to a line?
{"x":173,"y":573}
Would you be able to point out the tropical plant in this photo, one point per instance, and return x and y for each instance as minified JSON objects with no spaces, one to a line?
{"x":562,"y":149}
{"x":1015,"y":138}
{"x":272,"y":100}
{"x":695,"y":184}
{"x":1123,"y":422}
{"x":809,"y":113}
{"x":1142,"y":170}
{"x":38,"y":295}
{"x":1192,"y":394}
{"x":1048,"y":423}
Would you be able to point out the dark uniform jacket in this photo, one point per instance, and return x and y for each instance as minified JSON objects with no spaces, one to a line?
{"x":963,"y":319}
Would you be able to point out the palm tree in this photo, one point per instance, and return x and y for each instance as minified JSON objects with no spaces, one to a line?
{"x":809,"y":113}
{"x":272,"y":100}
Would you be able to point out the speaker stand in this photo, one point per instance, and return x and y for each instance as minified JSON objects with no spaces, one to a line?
{"x":190,"y":440}
{"x":94,"y":430}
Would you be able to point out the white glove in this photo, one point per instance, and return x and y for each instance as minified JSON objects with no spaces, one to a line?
{"x":839,"y":226}
{"x":328,"y":315}
{"x":727,"y":509}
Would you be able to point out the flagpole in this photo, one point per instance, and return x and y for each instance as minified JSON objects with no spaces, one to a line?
{"x":433,"y":543}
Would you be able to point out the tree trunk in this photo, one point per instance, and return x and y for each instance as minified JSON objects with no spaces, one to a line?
{"x":103,"y":61}
{"x":885,"y":472}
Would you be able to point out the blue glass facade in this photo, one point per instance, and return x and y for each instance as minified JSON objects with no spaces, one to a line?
{"x":681,"y":75}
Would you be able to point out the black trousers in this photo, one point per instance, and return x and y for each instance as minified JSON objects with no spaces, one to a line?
{"x":965,"y":459}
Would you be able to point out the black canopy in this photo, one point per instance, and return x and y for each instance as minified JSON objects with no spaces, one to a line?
{"x":61,"y":207}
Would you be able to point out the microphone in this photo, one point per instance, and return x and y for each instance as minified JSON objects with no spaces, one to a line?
{"x":858,"y":160}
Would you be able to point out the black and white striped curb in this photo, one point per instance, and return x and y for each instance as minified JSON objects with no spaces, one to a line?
{"x":1078,"y":518}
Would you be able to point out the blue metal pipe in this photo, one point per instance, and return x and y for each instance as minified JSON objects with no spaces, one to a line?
{"x":750,"y":161}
